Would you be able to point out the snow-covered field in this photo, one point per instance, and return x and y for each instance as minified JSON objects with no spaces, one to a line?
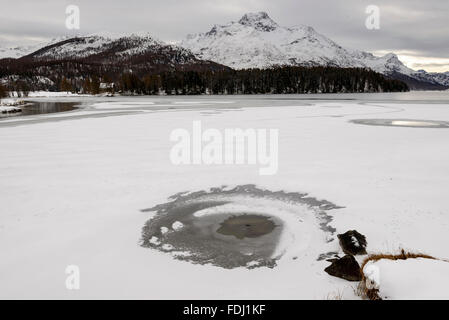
{"x":72,"y":189}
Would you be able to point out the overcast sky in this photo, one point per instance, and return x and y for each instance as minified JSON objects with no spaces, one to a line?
{"x":417,"y":30}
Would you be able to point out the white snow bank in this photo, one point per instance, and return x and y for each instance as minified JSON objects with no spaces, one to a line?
{"x":11,"y":105}
{"x":36,"y":94}
{"x":372,"y":275}
{"x":9,"y":109}
{"x":410,"y":279}
{"x":11,"y":102}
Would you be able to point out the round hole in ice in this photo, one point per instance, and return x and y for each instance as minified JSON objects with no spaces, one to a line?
{"x":232,"y":228}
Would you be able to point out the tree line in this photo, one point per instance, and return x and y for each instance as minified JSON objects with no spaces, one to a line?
{"x":281,"y":80}
{"x":3,"y":91}
{"x":85,"y":77}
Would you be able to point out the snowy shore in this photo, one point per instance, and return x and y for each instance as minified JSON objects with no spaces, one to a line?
{"x":6,"y":109}
{"x":11,"y":105}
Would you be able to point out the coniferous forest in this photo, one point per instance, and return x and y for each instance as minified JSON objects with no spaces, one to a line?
{"x":22,"y":75}
{"x":279,"y":80}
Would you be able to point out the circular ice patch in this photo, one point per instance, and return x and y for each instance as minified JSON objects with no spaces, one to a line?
{"x":240,"y":227}
{"x":410,"y":123}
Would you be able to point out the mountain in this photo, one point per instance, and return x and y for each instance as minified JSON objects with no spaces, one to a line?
{"x":441,"y":78}
{"x":75,"y":63}
{"x":108,"y":53}
{"x":257,"y":41}
{"x":135,"y":50}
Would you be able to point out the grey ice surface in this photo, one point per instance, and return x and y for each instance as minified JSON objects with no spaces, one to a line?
{"x":204,"y":240}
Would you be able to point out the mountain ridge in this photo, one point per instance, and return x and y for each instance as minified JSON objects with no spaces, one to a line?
{"x":254,"y":41}
{"x":257,"y":41}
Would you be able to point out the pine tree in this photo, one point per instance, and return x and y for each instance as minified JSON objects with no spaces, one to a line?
{"x":3,"y":92}
{"x":65,"y":85}
{"x":95,"y":85}
{"x":87,"y":87}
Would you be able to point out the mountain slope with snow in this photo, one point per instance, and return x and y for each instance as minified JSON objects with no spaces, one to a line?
{"x":256,"y":41}
{"x":70,"y":64}
{"x":21,"y":51}
{"x":138,"y":53}
{"x":109,"y":47}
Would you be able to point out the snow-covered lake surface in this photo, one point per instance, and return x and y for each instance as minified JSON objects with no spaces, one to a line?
{"x":74,"y":187}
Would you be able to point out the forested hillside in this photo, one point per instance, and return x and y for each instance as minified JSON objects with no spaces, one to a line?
{"x":147,"y":76}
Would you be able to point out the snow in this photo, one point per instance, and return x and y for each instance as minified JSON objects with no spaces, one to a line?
{"x":8,"y":109}
{"x":410,"y":279}
{"x":10,"y":105}
{"x":177,"y":225}
{"x":252,"y":264}
{"x":155,"y":240}
{"x":167,"y":247}
{"x":10,"y":102}
{"x":36,"y":94}
{"x":73,"y":191}
{"x":372,"y":275}
{"x":164,"y":230}
{"x":84,"y":46}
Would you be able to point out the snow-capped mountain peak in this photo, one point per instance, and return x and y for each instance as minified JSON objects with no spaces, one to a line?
{"x":259,"y":21}
{"x":256,"y":41}
{"x":104,"y":43}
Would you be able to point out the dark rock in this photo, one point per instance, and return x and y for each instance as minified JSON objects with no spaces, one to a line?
{"x":346,"y":268}
{"x":352,"y":242}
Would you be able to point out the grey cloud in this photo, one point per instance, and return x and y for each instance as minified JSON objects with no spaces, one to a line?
{"x":413,"y":25}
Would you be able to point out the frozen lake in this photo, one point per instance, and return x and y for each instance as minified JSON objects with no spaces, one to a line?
{"x":76,"y":187}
